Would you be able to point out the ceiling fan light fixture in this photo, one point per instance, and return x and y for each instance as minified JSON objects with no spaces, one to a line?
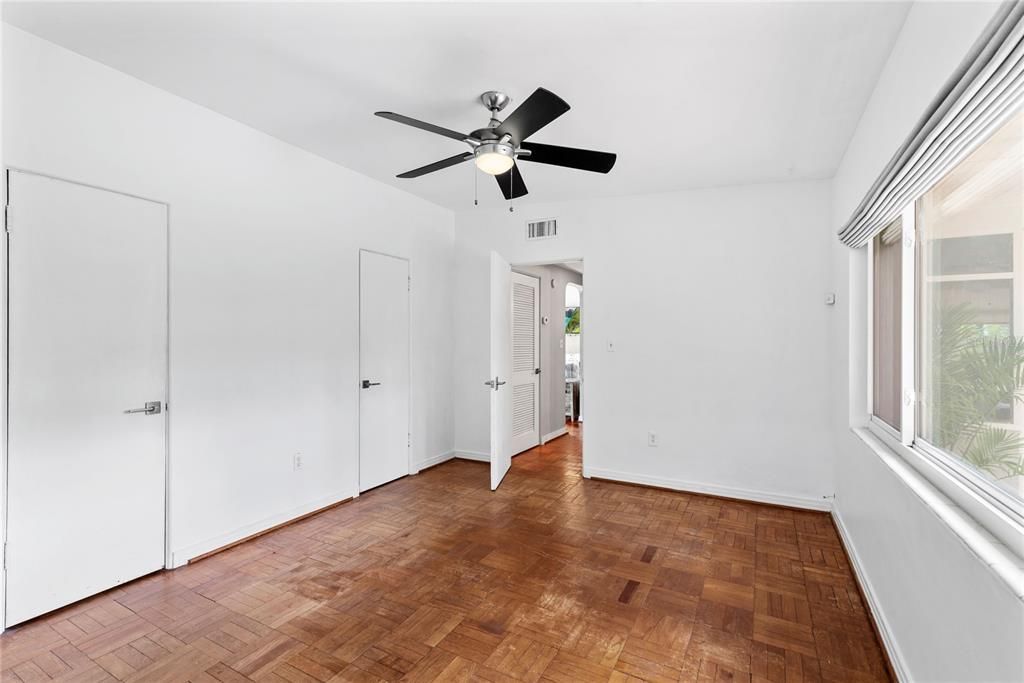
{"x":498,"y":147}
{"x":494,"y":158}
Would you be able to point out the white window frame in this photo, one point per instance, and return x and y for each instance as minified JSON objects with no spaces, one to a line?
{"x":996,"y":510}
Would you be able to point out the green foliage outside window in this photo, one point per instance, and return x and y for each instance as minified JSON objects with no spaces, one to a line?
{"x":977,"y":375}
{"x":572,"y":320}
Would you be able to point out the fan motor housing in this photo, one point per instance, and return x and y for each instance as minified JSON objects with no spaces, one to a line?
{"x":495,"y":148}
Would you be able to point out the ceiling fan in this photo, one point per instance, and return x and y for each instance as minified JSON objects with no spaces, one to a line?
{"x":496,"y":147}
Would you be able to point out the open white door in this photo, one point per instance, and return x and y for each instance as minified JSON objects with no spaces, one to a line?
{"x":501,"y":368}
{"x":87,"y":384}
{"x":525,"y":362}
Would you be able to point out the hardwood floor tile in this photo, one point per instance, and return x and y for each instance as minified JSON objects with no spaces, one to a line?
{"x":729,"y":649}
{"x":784,"y":633}
{"x":569,"y":668}
{"x":728,"y":593}
{"x":436,"y":578}
{"x":678,"y":581}
{"x":521,"y":658}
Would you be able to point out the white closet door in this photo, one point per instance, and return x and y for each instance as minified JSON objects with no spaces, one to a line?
{"x":525,"y":362}
{"x":88,"y":342}
{"x":384,"y":369}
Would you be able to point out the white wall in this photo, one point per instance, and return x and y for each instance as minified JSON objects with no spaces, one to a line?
{"x":948,"y":617}
{"x":732,"y":281}
{"x":265,"y":243}
{"x":552,"y":342}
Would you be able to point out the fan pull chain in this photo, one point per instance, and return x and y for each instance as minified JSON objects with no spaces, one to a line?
{"x":511,"y":187}
{"x":476,"y":198}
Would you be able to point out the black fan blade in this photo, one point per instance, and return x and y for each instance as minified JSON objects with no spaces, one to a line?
{"x":436,"y":166}
{"x":511,"y":183}
{"x":570,"y":157}
{"x":422,"y":125}
{"x":539,"y":109}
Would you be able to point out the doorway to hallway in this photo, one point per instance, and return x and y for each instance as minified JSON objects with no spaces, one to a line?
{"x":539,"y":327}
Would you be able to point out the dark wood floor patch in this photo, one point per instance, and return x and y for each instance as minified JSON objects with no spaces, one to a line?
{"x":627,"y":591}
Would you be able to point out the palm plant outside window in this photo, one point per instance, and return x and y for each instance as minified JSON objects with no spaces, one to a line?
{"x":970,"y":310}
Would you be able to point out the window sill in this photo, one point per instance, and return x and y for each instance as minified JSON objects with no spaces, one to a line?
{"x":997,"y":555}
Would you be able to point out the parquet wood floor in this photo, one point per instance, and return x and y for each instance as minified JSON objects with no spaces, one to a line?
{"x":435,"y":578}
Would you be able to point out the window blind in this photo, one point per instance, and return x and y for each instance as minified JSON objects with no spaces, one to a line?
{"x":986,"y":89}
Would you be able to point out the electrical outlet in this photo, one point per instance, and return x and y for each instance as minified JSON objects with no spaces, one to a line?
{"x":297,"y":462}
{"x":611,"y":346}
{"x":652,"y":439}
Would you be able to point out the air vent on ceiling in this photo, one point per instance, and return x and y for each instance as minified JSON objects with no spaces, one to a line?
{"x":539,"y":230}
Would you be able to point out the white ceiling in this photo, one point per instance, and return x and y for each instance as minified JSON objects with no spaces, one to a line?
{"x":688,"y":95}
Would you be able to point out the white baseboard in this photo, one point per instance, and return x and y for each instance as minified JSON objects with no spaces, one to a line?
{"x":436,"y":460}
{"x":181,"y":556}
{"x":555,"y":434}
{"x":888,"y":639}
{"x":712,"y":489}
{"x":473,"y":455}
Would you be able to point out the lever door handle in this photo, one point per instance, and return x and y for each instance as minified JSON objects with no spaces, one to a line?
{"x":151,"y":408}
{"x":494,"y":383}
{"x":367,"y":384}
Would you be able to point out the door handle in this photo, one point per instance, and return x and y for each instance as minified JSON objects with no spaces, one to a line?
{"x":494,"y":383}
{"x":536,"y":371}
{"x":151,"y":408}
{"x":367,"y":384}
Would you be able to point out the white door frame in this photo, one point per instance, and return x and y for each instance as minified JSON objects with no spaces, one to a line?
{"x":5,"y":370}
{"x":410,"y":469}
{"x":582,"y":382}
{"x":583,"y":339}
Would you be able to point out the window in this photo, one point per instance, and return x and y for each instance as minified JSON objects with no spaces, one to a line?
{"x":963,"y":325}
{"x":971,"y":358}
{"x":886,"y":320}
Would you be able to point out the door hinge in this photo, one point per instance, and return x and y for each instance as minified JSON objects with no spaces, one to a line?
{"x":909,"y":398}
{"x":409,"y":284}
{"x":7,"y":218}
{"x":408,"y":440}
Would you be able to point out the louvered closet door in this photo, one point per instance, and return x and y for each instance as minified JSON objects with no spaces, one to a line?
{"x":525,"y":362}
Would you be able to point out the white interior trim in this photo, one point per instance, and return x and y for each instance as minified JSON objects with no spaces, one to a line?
{"x":555,"y":434}
{"x":989,"y":550}
{"x":181,"y":556}
{"x":714,"y":490}
{"x":889,"y":642}
{"x":435,"y":460}
{"x":908,"y":325}
{"x":473,"y":455}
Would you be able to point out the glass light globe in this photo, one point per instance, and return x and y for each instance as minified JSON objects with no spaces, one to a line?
{"x":493,"y":163}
